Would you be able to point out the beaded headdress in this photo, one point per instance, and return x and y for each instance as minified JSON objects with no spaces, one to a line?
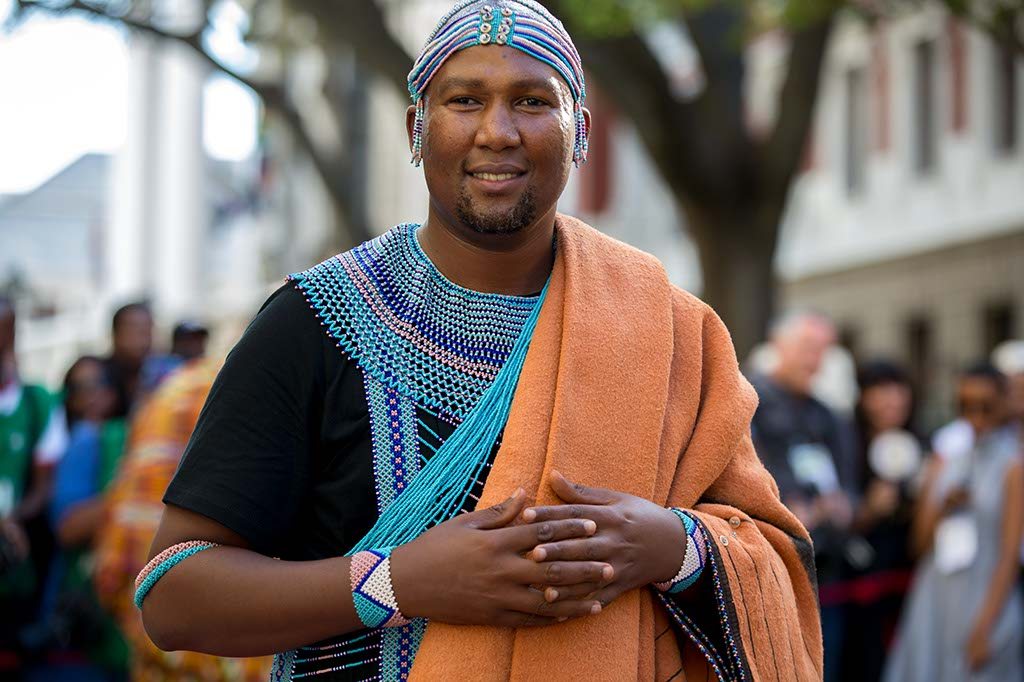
{"x":522,"y":24}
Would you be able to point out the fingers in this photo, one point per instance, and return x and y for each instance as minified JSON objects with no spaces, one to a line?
{"x":577,"y":492}
{"x":531,"y":605}
{"x":569,"y":573}
{"x":526,"y":537}
{"x":585,"y":549}
{"x":564,"y":511}
{"x":607,"y":594}
{"x":500,"y":515}
{"x":581,"y":592}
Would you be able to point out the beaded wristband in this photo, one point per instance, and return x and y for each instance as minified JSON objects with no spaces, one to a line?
{"x":372,"y":592}
{"x":163,"y":562}
{"x":693,"y":559}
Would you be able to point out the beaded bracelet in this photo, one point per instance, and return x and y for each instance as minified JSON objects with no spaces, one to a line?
{"x":372,"y":591}
{"x":163,"y":562}
{"x":693,"y":559}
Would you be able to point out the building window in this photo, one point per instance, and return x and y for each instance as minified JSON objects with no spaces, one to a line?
{"x":999,"y":324}
{"x":1005,"y":105}
{"x":849,"y":338}
{"x":855,"y":130}
{"x":925,"y":130}
{"x":920,"y":347}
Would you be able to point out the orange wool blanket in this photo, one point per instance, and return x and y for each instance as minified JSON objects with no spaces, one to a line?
{"x":632,"y":384}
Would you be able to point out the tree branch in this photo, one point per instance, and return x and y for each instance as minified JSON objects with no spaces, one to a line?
{"x":273,"y":95}
{"x":363,"y":27}
{"x":669,"y":127}
{"x":779,"y":156}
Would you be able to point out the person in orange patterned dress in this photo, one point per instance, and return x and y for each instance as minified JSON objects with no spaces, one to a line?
{"x":155,"y":444}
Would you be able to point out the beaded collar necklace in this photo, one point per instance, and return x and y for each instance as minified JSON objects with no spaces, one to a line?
{"x":411,"y":328}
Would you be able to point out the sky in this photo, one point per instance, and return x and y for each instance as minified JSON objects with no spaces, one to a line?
{"x":64,"y":88}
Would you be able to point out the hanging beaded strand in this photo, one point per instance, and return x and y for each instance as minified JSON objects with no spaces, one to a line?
{"x":417,"y":132}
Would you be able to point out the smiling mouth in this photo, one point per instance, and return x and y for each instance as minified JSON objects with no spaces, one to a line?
{"x":495,"y":177}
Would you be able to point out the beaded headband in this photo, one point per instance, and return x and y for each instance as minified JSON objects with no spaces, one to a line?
{"x":522,"y":24}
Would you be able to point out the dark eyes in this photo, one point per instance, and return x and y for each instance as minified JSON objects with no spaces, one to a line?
{"x":528,"y":102}
{"x":533,"y":102}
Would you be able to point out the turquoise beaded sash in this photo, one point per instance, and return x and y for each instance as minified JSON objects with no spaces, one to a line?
{"x":440,"y":488}
{"x":420,"y":340}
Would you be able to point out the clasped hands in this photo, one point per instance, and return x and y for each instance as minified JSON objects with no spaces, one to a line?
{"x":517,"y":566}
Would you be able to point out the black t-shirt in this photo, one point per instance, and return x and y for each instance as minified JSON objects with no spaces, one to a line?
{"x":282,"y":455}
{"x":282,"y":451}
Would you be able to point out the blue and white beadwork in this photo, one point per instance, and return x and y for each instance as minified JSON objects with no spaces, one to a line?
{"x":424,"y":344}
{"x":728,"y":665}
{"x":372,"y":593}
{"x":410,"y":328}
{"x":693,"y":558}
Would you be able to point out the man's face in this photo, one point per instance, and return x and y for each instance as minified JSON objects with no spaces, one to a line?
{"x":133,"y":338}
{"x":190,"y":346}
{"x":982,"y":403}
{"x":801,"y":350}
{"x":90,"y":395}
{"x":498,"y":139}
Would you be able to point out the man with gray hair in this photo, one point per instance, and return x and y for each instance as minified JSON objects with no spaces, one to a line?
{"x":809,"y":452}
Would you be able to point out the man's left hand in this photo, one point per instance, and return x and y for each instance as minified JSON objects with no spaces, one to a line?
{"x":643,"y":542}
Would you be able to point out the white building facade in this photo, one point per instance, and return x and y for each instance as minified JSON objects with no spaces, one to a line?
{"x":907,"y":224}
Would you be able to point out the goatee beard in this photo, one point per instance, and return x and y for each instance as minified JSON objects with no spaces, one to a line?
{"x":522,"y":215}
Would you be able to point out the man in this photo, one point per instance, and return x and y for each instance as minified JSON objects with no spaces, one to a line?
{"x":131,"y":342}
{"x":189,"y":339}
{"x":32,"y":440}
{"x":809,"y":453}
{"x":188,"y":343}
{"x":499,"y":360}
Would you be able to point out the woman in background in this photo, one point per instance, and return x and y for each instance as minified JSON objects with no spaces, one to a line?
{"x":878,"y":557}
{"x":84,"y":643}
{"x":964,"y":618}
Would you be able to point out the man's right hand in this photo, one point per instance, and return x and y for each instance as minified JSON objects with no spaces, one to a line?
{"x":470,"y":570}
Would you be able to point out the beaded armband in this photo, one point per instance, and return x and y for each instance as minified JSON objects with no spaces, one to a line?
{"x":372,"y":592}
{"x":693,"y":559}
{"x":163,"y":562}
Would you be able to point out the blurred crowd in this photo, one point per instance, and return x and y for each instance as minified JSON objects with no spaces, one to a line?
{"x":82,"y":474}
{"x":917,"y":536}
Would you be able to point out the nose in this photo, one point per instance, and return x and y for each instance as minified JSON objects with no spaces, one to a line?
{"x":498,"y":130}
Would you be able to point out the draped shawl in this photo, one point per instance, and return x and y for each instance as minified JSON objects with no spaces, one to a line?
{"x":632,"y":384}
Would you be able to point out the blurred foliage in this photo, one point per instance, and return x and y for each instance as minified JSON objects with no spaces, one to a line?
{"x":614,"y":17}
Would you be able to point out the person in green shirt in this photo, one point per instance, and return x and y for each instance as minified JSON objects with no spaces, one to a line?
{"x":33,"y":437}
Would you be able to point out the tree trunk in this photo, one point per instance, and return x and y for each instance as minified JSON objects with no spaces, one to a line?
{"x":737,"y":254}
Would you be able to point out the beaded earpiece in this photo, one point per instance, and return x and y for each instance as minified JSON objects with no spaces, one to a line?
{"x":417,"y":132}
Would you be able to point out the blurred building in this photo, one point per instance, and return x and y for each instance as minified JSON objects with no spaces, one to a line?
{"x":159,"y":220}
{"x":907,"y":223}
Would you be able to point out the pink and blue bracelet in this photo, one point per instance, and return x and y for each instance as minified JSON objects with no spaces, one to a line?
{"x":163,"y":562}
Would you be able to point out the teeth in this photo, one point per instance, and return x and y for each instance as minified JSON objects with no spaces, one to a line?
{"x":494,"y":176}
